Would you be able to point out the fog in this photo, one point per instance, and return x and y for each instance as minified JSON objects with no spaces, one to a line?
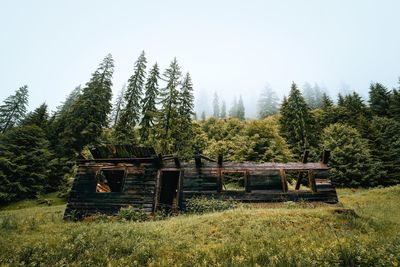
{"x":230,"y":47}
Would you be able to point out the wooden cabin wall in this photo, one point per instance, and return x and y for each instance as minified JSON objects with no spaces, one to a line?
{"x":138,"y":191}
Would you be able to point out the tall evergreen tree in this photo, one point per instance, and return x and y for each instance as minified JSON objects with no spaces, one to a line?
{"x":38,"y":117}
{"x":216,"y":111}
{"x":184,"y":133}
{"x":67,"y":104}
{"x":89,"y":112}
{"x":13,"y":109}
{"x":130,"y":114}
{"x":379,"y":99}
{"x":394,"y":107}
{"x":234,"y":108}
{"x":149,"y":109}
{"x":296,"y":122}
{"x":267,"y":103}
{"x":25,"y":163}
{"x":240,"y":112}
{"x":203,"y":115}
{"x":118,"y":106}
{"x":223,"y":110}
{"x":168,"y":114}
{"x":313,"y":95}
{"x":326,"y":102}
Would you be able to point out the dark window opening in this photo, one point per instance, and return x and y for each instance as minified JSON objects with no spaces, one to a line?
{"x":234,"y":181}
{"x":169,"y":190}
{"x":109,"y":181}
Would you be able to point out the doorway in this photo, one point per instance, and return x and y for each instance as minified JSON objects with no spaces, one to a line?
{"x":169,"y":190}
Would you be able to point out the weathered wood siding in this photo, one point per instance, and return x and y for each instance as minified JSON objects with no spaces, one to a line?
{"x":138,"y":191}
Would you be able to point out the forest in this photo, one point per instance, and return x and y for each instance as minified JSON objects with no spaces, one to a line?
{"x":38,"y":149}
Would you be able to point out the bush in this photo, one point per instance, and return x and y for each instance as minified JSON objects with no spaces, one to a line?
{"x":203,"y":205}
{"x":131,"y":214}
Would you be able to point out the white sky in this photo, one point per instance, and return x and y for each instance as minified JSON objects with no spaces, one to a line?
{"x":232,"y":47}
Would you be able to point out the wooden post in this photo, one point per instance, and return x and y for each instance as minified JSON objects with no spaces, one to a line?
{"x":284,"y":180}
{"x":304,"y":160}
{"x":197,"y":160}
{"x":311,"y":181}
{"x":220,"y":160}
{"x":325,"y":156}
{"x":247,"y":183}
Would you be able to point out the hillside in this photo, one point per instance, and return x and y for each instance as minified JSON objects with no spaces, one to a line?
{"x":363,"y":231}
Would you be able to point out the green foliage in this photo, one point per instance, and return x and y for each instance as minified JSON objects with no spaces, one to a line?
{"x":379,"y":99}
{"x":26,"y":163}
{"x":168,"y":115}
{"x":351,"y":160}
{"x":313,"y":95}
{"x":385,"y":145}
{"x":296,"y":123}
{"x":268,"y":236}
{"x":149,"y":110}
{"x":202,"y":205}
{"x":88,"y":114}
{"x":130,"y":114}
{"x":13,"y":109}
{"x":394,"y":107}
{"x":255,"y":140}
{"x":131,"y":214}
{"x":118,"y":106}
{"x":38,"y":117}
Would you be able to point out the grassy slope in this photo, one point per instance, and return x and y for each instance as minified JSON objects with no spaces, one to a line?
{"x":289,"y":234}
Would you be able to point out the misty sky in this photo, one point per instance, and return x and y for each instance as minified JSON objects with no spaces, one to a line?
{"x":232,"y":47}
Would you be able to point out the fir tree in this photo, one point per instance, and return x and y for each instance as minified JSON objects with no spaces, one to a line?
{"x":13,"y":109}
{"x":25,"y":162}
{"x":149,"y":110}
{"x":88,"y":114}
{"x":296,"y":122}
{"x":240,"y":112}
{"x":394,"y":107}
{"x":168,"y":114}
{"x":233,"y":109}
{"x":184,"y":132}
{"x":379,"y":99}
{"x":118,"y":106}
{"x":38,"y":117}
{"x":268,"y":103}
{"x":313,"y":95}
{"x":223,"y":110}
{"x":326,"y":102}
{"x":130,"y":114}
{"x":216,"y":111}
{"x":65,"y":107}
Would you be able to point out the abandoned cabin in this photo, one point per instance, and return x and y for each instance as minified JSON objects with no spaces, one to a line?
{"x":121,"y":176}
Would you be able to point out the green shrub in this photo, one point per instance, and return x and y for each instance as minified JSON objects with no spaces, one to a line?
{"x":204,"y":205}
{"x":131,"y":214}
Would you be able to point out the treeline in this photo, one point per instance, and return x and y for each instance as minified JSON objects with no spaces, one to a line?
{"x":38,"y":150}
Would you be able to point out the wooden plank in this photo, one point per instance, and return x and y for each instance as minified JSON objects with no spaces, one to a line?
{"x":300,"y":177}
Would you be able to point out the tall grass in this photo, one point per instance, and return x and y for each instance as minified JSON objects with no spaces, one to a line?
{"x":364,"y":232}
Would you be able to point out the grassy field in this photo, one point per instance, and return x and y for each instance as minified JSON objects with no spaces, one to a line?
{"x":362,"y":231}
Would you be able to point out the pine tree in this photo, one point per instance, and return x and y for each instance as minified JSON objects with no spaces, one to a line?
{"x":14,"y":108}
{"x":394,"y":108}
{"x":65,"y":107}
{"x":149,"y":109}
{"x":379,"y":99}
{"x":130,"y":114}
{"x":234,"y":108}
{"x":25,"y":162}
{"x":351,"y":162}
{"x":184,"y":131}
{"x":216,"y":111}
{"x":168,"y":114}
{"x":223,"y":110}
{"x":268,"y":103}
{"x":313,"y":95}
{"x":240,"y":112}
{"x":118,"y":106}
{"x":296,"y":122}
{"x":88,"y":113}
{"x":384,"y":138}
{"x":38,"y":117}
{"x":326,"y":102}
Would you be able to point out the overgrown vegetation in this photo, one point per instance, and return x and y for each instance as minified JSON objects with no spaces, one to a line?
{"x":38,"y":150}
{"x":362,"y":232}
